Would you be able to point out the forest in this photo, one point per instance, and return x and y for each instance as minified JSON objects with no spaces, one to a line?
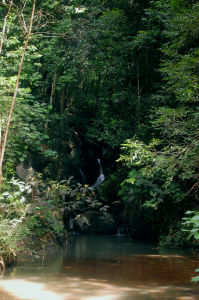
{"x":99,"y":122}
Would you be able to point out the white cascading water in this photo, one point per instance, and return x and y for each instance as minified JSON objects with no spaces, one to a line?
{"x":101,"y":176}
{"x":71,"y":221}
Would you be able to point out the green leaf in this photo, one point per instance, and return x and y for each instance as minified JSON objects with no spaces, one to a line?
{"x":195,"y":279}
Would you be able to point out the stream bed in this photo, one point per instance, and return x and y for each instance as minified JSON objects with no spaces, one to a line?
{"x":104,"y":268}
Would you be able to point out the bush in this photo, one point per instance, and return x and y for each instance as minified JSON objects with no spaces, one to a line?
{"x":176,"y":238}
{"x":29,"y":220}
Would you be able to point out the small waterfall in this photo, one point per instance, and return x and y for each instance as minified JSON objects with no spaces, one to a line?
{"x":71,"y":225}
{"x":83,"y":176}
{"x":122,"y":229}
{"x":118,"y":231}
{"x":104,"y":150}
{"x":101,"y":176}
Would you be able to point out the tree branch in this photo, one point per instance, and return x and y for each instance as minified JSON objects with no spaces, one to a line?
{"x":5,"y":137}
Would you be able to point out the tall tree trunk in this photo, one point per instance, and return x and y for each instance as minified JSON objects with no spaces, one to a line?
{"x":62,"y":102}
{"x":53,"y":88}
{"x":4,"y":25}
{"x":61,"y":99}
{"x":138,"y":95}
{"x":5,"y":136}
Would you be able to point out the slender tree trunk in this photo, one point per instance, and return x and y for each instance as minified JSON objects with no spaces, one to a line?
{"x":61,"y":99}
{"x":53,"y":88}
{"x":62,"y":102}
{"x":44,"y":90}
{"x":69,"y":104}
{"x":4,"y":25}
{"x":138,"y":95}
{"x":5,"y":136}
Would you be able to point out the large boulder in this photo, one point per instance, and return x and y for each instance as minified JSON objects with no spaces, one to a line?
{"x":95,"y":222}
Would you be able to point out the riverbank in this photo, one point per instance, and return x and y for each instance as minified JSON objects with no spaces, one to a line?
{"x":30,"y":222}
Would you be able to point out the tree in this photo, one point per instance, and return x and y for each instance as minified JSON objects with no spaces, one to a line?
{"x":164,"y":172}
{"x":7,"y":125}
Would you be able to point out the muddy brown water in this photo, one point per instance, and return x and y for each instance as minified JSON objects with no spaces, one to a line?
{"x":104,"y":268}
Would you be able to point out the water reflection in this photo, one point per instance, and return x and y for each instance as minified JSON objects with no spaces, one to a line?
{"x":104,"y":268}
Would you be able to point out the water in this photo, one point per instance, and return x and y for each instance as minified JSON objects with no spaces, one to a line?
{"x":101,"y":176}
{"x":82,"y":176}
{"x":104,"y":268}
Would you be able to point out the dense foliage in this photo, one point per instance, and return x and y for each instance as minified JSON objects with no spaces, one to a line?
{"x":103,"y":81}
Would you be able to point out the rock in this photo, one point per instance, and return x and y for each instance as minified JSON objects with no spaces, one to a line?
{"x":22,"y":171}
{"x":98,"y":223}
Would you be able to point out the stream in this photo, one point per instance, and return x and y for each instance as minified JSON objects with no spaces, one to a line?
{"x":104,"y":268}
